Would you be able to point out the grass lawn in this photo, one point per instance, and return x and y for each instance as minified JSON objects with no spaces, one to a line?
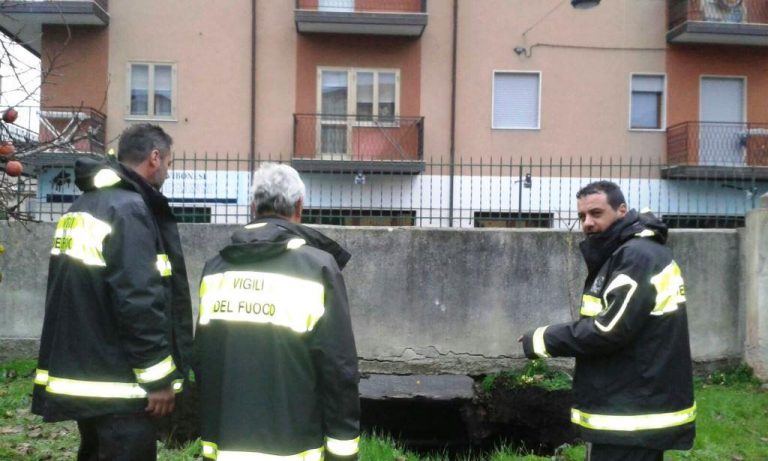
{"x":732,"y":425}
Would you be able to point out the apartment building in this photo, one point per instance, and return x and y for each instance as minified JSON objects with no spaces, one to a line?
{"x":416,"y":112}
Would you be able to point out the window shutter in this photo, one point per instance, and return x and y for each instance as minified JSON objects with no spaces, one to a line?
{"x":515,"y":100}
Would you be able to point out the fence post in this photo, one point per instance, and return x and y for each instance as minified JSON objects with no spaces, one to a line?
{"x":755,"y":273}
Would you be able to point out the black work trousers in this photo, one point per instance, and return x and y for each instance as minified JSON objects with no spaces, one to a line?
{"x":622,"y":453}
{"x":117,"y":438}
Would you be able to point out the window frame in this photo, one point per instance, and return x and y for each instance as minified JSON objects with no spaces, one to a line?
{"x":538,"y":73}
{"x":352,"y":90}
{"x":151,"y":91}
{"x":663,"y":101}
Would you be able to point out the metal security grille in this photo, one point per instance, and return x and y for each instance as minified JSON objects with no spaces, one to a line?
{"x":504,"y":192}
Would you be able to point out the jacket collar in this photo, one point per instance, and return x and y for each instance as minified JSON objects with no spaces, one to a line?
{"x":267,"y":237}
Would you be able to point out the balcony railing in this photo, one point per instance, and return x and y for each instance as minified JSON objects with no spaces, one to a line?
{"x":737,"y":22}
{"x":364,"y":6}
{"x":713,"y":144}
{"x":72,"y":130}
{"x":368,"y":17}
{"x":358,"y":138}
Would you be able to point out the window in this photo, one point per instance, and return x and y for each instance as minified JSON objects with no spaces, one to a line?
{"x":336,"y":5}
{"x":682,"y":221}
{"x":192,"y":214}
{"x":647,"y":105}
{"x":516,"y":98}
{"x":366,"y":93}
{"x":513,"y":220}
{"x":151,"y":90}
{"x":359,"y":217}
{"x":349,"y":97}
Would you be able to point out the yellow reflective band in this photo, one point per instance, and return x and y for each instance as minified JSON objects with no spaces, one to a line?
{"x":157,"y":371}
{"x":342,"y":447}
{"x":164,"y":265}
{"x":80,"y":236}
{"x":670,"y":289}
{"x":177,"y":385}
{"x":621,"y":280}
{"x":105,"y":178}
{"x":98,"y":389}
{"x":539,"y":347}
{"x":262,"y":297}
{"x":590,"y":306}
{"x":629,"y":423}
{"x":645,"y":233}
{"x":295,"y":243}
{"x":211,"y":451}
{"x":41,"y":377}
{"x":255,"y":225}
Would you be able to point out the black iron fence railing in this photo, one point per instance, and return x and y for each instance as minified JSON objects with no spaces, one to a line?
{"x":357,"y":137}
{"x":364,"y":6}
{"x":718,"y":144}
{"x":717,"y":11}
{"x":506,"y":192}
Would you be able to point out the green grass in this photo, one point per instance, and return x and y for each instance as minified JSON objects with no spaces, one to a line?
{"x":536,"y":373}
{"x":732,"y":425}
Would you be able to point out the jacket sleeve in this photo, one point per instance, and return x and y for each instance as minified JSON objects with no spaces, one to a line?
{"x":139,"y":297}
{"x":627,"y":302}
{"x":332,"y":345}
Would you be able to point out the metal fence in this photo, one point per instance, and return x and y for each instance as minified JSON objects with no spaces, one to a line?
{"x":483,"y":193}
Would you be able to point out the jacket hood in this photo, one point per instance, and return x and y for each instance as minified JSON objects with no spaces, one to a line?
{"x":269,"y":237}
{"x":597,"y":248}
{"x":95,"y":173}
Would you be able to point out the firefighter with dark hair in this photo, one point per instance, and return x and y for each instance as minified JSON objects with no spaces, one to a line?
{"x":117,"y":332}
{"x":633,"y":382}
{"x":278,"y":365}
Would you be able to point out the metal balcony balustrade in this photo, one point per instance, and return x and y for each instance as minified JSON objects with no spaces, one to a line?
{"x":364,"y":6}
{"x":72,"y":130}
{"x":367,"y":17}
{"x":703,"y":147}
{"x":358,"y":138}
{"x":734,"y":22}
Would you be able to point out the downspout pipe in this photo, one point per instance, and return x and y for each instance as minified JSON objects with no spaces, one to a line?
{"x":452,"y":165}
{"x":252,"y":130}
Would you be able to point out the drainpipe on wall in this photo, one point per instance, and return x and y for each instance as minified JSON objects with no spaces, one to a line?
{"x":452,"y":167}
{"x":252,"y":136}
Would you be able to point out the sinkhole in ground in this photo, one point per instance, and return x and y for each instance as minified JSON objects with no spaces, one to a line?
{"x":528,"y":418}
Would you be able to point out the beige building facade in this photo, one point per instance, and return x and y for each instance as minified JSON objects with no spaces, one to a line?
{"x":338,"y":86}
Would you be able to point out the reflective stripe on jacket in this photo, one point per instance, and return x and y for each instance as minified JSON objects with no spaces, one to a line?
{"x":278,"y":364}
{"x":633,"y":381}
{"x":118,"y":315}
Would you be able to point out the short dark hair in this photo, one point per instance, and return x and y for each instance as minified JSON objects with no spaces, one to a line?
{"x":137,"y":141}
{"x":610,"y":189}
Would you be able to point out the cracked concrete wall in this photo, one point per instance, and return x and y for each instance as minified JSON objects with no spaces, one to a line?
{"x":432,"y":301}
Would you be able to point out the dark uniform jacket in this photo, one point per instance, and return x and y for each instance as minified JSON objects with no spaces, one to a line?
{"x":278,"y":364}
{"x":118,"y":318}
{"x":633,"y":378}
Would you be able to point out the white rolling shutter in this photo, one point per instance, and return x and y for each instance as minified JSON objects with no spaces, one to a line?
{"x":516,"y":100}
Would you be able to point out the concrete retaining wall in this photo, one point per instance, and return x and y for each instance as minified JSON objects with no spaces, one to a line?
{"x":434,"y":300}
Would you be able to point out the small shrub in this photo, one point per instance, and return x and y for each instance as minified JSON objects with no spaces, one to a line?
{"x":740,"y":374}
{"x":536,"y":373}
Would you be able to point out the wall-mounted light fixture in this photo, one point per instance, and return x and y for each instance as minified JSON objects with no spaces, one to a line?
{"x":584,"y":4}
{"x":578,"y":4}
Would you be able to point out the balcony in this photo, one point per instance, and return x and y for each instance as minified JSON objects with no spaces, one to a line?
{"x":350,"y":143}
{"x":23,"y":19}
{"x":369,"y":17}
{"x":725,"y":22}
{"x":710,"y":149}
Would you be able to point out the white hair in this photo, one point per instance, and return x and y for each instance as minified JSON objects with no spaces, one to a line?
{"x":276,"y":189}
